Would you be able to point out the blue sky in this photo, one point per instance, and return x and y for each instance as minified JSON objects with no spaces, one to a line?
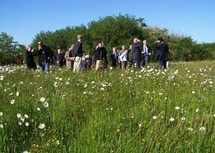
{"x":23,"y":19}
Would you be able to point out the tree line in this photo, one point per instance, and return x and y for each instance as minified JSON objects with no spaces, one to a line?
{"x":114,"y":31}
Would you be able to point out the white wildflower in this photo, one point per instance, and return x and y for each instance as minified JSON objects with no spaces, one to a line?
{"x":154,"y":117}
{"x":202,"y":128}
{"x":1,"y":113}
{"x":41,"y":126}
{"x":26,"y":124}
{"x":46,"y":104}
{"x":210,"y":82}
{"x":42,"y":99}
{"x":1,"y":126}
{"x":12,"y":101}
{"x":177,"y":107}
{"x":18,"y":115}
{"x":17,"y":93}
{"x":197,"y":110}
{"x":171,"y":119}
{"x":26,"y":116}
{"x":190,"y":129}
{"x":1,"y":77}
{"x":183,"y":118}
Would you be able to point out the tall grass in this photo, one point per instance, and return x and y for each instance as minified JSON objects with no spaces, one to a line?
{"x":150,"y":110}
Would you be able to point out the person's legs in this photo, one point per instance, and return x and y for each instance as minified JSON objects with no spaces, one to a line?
{"x":136,"y":64}
{"x":42,"y":66}
{"x":47,"y":67}
{"x":146,"y":60}
{"x":77,"y":64}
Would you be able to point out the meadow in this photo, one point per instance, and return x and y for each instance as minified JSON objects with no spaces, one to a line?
{"x":113,"y":111}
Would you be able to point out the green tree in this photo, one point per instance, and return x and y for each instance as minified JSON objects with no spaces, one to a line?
{"x":116,"y":30}
{"x":7,"y":49}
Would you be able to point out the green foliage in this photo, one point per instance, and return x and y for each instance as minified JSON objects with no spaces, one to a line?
{"x":117,"y":30}
{"x":7,"y":49}
{"x":150,"y":110}
{"x":6,"y":43}
{"x":7,"y":58}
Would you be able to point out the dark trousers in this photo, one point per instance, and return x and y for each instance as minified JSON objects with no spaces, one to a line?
{"x":162,"y":64}
{"x":145,"y":60}
{"x":136,"y":64}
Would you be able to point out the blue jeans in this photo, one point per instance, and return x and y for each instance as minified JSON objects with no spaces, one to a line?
{"x":44,"y":67}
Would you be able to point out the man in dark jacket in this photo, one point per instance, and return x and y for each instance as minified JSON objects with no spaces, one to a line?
{"x":77,"y":53}
{"x":45,"y":54}
{"x":162,"y":54}
{"x":136,"y":53}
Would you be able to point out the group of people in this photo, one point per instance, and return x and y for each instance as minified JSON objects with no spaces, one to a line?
{"x":137,"y":55}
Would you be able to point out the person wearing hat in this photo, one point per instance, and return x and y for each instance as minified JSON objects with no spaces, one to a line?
{"x":162,"y":54}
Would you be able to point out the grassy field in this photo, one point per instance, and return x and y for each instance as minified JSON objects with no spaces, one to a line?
{"x":144,"y":111}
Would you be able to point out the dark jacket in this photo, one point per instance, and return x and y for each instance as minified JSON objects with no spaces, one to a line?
{"x":162,"y":53}
{"x":30,"y":59}
{"x":136,"y":51}
{"x":29,"y":56}
{"x":45,"y":54}
{"x":61,"y":59}
{"x":114,"y":59}
{"x":77,"y":50}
